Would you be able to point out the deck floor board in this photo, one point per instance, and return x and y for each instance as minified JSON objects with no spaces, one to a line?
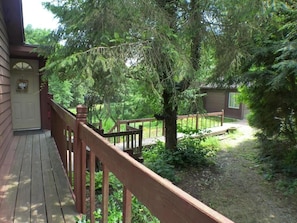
{"x":35,"y":187}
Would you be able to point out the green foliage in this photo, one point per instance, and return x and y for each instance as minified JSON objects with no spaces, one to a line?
{"x":270,"y":91}
{"x":140,"y":213}
{"x":61,"y":91}
{"x":162,"y":54}
{"x":83,"y":219}
{"x":279,"y":154}
{"x":287,"y":186}
{"x":191,"y":151}
{"x":37,"y":36}
{"x":155,"y":158}
{"x":114,"y":183}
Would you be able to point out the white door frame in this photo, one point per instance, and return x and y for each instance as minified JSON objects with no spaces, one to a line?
{"x":25,"y":94}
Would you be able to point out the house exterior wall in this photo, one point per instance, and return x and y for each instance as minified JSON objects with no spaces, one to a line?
{"x":218,"y":99}
{"x":232,"y":112}
{"x":214,"y":101}
{"x":6,"y":132}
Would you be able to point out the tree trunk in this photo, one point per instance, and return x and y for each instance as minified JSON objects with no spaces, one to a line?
{"x":170,"y":117}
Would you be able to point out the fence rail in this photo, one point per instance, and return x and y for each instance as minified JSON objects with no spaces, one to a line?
{"x":130,"y":140}
{"x":165,"y":201}
{"x":155,"y":128}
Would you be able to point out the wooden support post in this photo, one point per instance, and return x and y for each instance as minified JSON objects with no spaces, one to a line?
{"x":105,"y":194}
{"x":127,"y":205}
{"x":118,"y":130}
{"x":197,"y":121}
{"x":222,"y":117}
{"x":52,"y":120}
{"x":80,"y":161}
{"x":92,"y":185}
{"x":49,"y":112}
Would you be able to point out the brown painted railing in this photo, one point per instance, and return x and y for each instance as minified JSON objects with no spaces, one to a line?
{"x":165,"y":201}
{"x":155,"y":128}
{"x":129,"y":140}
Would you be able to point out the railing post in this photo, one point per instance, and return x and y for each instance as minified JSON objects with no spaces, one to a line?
{"x":118,"y":130}
{"x":197,"y":121}
{"x":52,"y":120}
{"x":49,"y":111}
{"x":222,"y":117}
{"x":80,"y":161}
{"x":163,"y":127}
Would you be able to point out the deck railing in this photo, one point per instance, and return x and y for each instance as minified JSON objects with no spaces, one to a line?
{"x":165,"y":201}
{"x":128,"y":140}
{"x":153,"y":127}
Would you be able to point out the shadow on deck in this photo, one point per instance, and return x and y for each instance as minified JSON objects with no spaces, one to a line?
{"x":33,"y":186}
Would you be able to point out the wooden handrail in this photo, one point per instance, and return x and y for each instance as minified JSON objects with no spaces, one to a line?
{"x":196,"y":119}
{"x":165,"y":201}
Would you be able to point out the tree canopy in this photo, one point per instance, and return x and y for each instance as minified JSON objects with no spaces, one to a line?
{"x":270,"y":74}
{"x":164,"y":46}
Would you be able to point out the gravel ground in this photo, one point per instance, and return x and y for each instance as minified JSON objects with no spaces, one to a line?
{"x":236,"y":186}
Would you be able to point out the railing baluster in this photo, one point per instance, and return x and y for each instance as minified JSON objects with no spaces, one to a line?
{"x":169,"y":207}
{"x":222,"y":117}
{"x":127,"y":205}
{"x":92,"y":185}
{"x":105,"y":193}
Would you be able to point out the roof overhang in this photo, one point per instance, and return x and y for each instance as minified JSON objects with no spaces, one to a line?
{"x":13,"y":15}
{"x":23,"y":51}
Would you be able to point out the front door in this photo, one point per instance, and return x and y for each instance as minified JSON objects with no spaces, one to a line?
{"x":25,"y":96}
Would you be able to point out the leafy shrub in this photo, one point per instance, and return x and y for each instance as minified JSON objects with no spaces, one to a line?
{"x":140,"y":213}
{"x":281,"y":155}
{"x":156,"y":158}
{"x":114,"y":183}
{"x":190,"y":152}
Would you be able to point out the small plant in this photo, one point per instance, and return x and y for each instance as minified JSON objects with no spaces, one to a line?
{"x":287,"y":186}
{"x":114,"y":183}
{"x":140,"y":213}
{"x":156,"y":159}
{"x":191,"y":152}
{"x":83,"y":218}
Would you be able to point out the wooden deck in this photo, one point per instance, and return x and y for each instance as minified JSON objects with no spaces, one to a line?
{"x":33,"y":184}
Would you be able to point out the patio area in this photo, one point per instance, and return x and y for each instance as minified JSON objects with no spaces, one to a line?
{"x":33,"y":184}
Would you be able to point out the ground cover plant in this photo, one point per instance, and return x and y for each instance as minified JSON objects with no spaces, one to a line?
{"x":197,"y":151}
{"x":140,"y":213}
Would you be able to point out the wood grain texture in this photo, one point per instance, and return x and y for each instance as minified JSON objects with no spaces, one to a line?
{"x":36,"y":188}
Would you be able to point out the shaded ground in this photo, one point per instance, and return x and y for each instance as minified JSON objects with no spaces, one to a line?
{"x":236,"y":186}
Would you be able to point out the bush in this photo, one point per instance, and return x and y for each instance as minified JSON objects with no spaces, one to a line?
{"x":190,"y":152}
{"x":140,"y":213}
{"x":280,"y":154}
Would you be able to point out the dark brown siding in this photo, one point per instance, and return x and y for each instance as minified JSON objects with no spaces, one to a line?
{"x":214,"y":100}
{"x":6,"y":133}
{"x":218,"y":99}
{"x":232,"y":112}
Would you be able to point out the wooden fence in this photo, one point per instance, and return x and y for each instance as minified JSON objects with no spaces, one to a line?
{"x":129,"y":140}
{"x":165,"y":201}
{"x":154,"y":128}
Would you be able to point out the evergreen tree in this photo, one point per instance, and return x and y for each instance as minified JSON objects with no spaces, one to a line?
{"x":270,"y":81}
{"x":156,"y":42}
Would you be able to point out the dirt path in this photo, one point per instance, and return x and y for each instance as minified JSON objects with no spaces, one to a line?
{"x":236,"y":186}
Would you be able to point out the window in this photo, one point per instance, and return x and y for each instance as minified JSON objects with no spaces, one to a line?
{"x":233,"y":100}
{"x":22,"y":66}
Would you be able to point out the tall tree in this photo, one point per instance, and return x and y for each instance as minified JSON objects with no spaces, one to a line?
{"x":270,"y":76}
{"x":158,"y":42}
{"x":36,"y":36}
